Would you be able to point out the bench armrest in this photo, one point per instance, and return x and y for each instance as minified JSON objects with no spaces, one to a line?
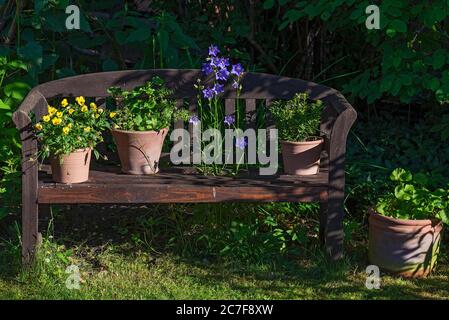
{"x":345,"y":118}
{"x":34,"y":102}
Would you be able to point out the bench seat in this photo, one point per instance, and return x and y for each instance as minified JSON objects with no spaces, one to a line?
{"x":180,"y":185}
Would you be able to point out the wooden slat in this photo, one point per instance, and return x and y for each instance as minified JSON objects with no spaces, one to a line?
{"x":269,"y":121}
{"x":106,"y":174}
{"x":178,"y":185}
{"x":156,"y":193}
{"x":193,"y":109}
{"x":179,"y":105}
{"x":250,"y":111}
{"x":179,"y":124}
{"x":229,"y":106}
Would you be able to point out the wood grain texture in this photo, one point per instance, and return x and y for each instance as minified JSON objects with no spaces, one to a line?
{"x":29,"y":187}
{"x":332,"y":214}
{"x":182,"y":185}
{"x":250,"y":111}
{"x":229,"y":106}
{"x":149,"y":193}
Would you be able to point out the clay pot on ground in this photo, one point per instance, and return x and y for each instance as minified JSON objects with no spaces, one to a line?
{"x":71,"y":168}
{"x":139,"y":151}
{"x":408,"y":248}
{"x":302,"y":158}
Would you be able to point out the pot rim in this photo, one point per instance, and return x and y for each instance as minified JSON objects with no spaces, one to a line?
{"x":81,"y":150}
{"x":317,"y":140}
{"x":138,"y":132}
{"x":406,"y":222}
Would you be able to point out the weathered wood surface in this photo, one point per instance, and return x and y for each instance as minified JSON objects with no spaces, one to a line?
{"x":108,"y":186}
{"x":181,"y":185}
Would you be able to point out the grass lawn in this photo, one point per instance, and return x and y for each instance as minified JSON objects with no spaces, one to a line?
{"x":114,"y":264}
{"x":119,"y":276}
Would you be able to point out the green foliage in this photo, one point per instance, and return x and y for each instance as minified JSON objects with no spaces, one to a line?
{"x":145,"y":108}
{"x":406,"y":58}
{"x":51,"y":51}
{"x":412,"y":199}
{"x":244,"y":233}
{"x":12,"y":91}
{"x":297,"y":119}
{"x":380,"y":143}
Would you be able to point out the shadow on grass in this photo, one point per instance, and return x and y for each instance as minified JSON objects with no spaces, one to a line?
{"x":307,"y":275}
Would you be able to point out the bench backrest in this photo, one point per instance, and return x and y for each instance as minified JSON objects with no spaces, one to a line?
{"x":337,"y":118}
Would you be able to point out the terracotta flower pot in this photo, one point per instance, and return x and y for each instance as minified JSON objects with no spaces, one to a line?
{"x":408,"y":248}
{"x":139,"y":151}
{"x":71,"y":168}
{"x":302,"y":158}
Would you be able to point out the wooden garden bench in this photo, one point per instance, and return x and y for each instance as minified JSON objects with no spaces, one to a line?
{"x":108,"y":186}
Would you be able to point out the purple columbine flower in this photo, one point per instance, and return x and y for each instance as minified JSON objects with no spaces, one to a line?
{"x":213,"y":50}
{"x":235,"y":84}
{"x":194,"y":120}
{"x":229,"y":120}
{"x":237,"y":69}
{"x":207,"y":68}
{"x":209,"y":93}
{"x":218,"y":88}
{"x":241,"y":143}
{"x":222,"y":74}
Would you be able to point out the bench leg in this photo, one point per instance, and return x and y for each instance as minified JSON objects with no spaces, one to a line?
{"x":30,"y":235}
{"x":331,"y":228}
{"x":30,"y":208}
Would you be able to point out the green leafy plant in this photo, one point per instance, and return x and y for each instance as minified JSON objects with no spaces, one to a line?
{"x":297,"y":119}
{"x":145,"y":108}
{"x":71,"y":127}
{"x":12,"y":92}
{"x":403,"y":59}
{"x":412,"y":199}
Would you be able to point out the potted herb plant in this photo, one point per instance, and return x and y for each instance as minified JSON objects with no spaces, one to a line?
{"x":298,"y":123}
{"x":140,"y":124}
{"x":68,"y":135}
{"x":405,"y":227}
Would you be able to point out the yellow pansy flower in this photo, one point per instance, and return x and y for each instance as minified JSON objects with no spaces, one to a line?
{"x":51,"y":110}
{"x":87,"y":129}
{"x":59,"y":114}
{"x":64,"y":103}
{"x":70,"y":125}
{"x":38,"y":127}
{"x":84,"y":108}
{"x":100,"y":110}
{"x":46,"y":118}
{"x":56,"y":121}
{"x":80,"y":100}
{"x":71,"y":110}
{"x":66,"y":130}
{"x":112,"y":114}
{"x":93,"y":106}
{"x":97,"y":116}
